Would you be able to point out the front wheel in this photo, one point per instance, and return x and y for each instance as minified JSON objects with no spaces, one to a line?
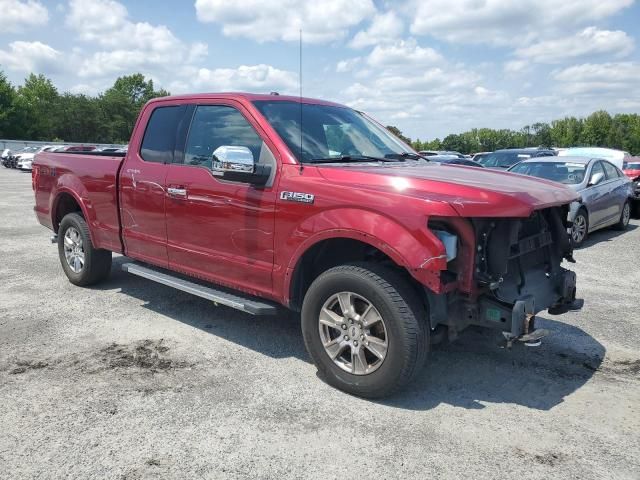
{"x":625,"y":215}
{"x":363,"y":326}
{"x":83,"y":264}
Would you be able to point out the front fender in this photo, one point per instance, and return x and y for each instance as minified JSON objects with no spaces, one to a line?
{"x":413,"y":246}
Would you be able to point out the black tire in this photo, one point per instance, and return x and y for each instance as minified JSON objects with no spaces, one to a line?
{"x":585,"y":216}
{"x":97,"y":262}
{"x":403,"y":316}
{"x":625,"y":215}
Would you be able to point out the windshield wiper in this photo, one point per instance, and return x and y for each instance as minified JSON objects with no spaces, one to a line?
{"x":403,"y":155}
{"x":350,"y":158}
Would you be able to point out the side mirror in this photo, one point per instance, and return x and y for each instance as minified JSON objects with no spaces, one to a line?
{"x":236,"y":163}
{"x":595,"y":179}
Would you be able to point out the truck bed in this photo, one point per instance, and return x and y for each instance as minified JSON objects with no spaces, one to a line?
{"x":90,"y":176}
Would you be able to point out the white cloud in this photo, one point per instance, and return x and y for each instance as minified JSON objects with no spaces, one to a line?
{"x":320,"y":21}
{"x":348,"y":65}
{"x":128,"y":46}
{"x":500,"y":22}
{"x":384,"y":28}
{"x":589,"y":42}
{"x":261,"y":77}
{"x":619,"y":78}
{"x":403,"y":53}
{"x":30,"y":57}
{"x":18,"y":15}
{"x":516,"y":66}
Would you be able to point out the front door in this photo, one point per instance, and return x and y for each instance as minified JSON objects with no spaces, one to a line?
{"x":218,"y":230}
{"x":595,"y":197}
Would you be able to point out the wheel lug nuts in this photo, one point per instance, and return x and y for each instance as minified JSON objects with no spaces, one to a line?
{"x":344,"y":326}
{"x":355,"y":343}
{"x":346,"y":337}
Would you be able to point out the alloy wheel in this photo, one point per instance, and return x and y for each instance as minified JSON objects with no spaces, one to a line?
{"x":74,"y":250}
{"x":626,"y":214}
{"x":353,"y":333}
{"x":579,"y":229}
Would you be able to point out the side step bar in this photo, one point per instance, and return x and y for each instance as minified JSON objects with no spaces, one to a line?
{"x":248,"y":305}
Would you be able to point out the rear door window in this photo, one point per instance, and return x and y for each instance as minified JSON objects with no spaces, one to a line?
{"x":610,"y":171}
{"x":159,"y":140}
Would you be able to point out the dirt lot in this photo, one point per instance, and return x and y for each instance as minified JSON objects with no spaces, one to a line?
{"x":136,"y":380}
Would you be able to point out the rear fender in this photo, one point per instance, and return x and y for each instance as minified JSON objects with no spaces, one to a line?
{"x":71,"y":185}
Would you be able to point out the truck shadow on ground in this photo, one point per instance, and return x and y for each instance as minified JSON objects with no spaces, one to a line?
{"x":473,"y":370}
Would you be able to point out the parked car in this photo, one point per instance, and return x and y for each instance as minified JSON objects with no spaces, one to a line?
{"x":79,"y":148}
{"x":604,"y":191}
{"x":381,"y":251}
{"x":25,"y":159}
{"x":448,"y":153}
{"x":631,"y":168}
{"x":616,"y":157}
{"x":4,"y":157}
{"x":479,"y":156}
{"x":503,"y":159}
{"x":15,"y":158}
{"x":445,"y":159}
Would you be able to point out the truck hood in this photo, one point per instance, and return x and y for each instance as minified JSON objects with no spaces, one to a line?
{"x":471,"y":191}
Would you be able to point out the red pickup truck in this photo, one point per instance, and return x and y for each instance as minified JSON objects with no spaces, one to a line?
{"x":256,"y":201}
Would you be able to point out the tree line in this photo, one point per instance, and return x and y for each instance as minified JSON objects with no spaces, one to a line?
{"x":36,"y":110}
{"x":600,"y":129}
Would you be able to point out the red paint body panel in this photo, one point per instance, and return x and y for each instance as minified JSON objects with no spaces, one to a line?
{"x":92,"y":181}
{"x":247,"y":238}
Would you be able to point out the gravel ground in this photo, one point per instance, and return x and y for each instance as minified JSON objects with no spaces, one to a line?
{"x":134,"y":380}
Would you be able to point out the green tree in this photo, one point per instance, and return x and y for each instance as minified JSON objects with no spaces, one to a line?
{"x":596,"y":129}
{"x":35,"y":108}
{"x":396,"y":131}
{"x":122,"y":102}
{"x":7,"y":107}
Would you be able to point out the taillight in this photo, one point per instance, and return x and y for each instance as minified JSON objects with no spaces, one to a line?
{"x":34,"y":177}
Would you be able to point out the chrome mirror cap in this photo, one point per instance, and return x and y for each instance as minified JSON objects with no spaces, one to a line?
{"x":230,"y":158}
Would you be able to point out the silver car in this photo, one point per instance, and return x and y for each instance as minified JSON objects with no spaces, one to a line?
{"x":605,"y":191}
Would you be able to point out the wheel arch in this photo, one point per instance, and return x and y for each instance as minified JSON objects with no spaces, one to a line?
{"x":328,"y":252}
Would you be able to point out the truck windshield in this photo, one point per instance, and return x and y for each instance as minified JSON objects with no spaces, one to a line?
{"x":330,"y":132}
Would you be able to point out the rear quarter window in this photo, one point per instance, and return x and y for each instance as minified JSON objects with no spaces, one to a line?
{"x":159,"y":140}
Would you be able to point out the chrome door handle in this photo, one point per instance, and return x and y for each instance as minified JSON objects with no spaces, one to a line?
{"x":177,"y":192}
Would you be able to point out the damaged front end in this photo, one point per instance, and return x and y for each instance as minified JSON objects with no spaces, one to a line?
{"x":517,"y":273}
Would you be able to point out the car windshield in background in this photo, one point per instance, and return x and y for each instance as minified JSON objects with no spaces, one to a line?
{"x":561,"y":172}
{"x":503,"y":159}
{"x":330,"y":132}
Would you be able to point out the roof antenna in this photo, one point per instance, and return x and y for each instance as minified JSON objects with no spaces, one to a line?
{"x":300,"y":85}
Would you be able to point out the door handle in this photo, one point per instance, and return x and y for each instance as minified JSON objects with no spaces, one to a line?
{"x":177,"y":192}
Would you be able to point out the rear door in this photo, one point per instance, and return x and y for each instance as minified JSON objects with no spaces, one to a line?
{"x":616,"y":194}
{"x":221,"y":230}
{"x":143,"y":184}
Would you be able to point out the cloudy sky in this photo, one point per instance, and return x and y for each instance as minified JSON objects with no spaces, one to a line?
{"x":431,"y":67}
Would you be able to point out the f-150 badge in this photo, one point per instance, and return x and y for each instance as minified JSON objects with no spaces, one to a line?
{"x":297,"y":197}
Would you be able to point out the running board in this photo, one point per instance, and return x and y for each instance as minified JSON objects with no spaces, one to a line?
{"x":245,"y":304}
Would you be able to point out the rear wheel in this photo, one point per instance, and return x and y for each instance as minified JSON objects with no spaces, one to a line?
{"x":580,"y":227}
{"x":625,"y":215}
{"x":82,"y":263}
{"x":363,"y":326}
